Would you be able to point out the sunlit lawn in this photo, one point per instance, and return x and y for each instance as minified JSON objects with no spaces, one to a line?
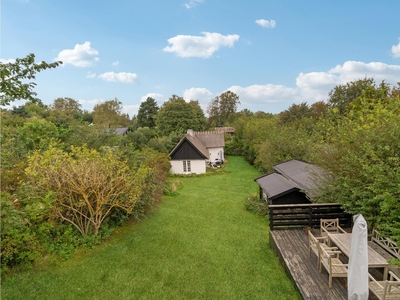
{"x":200,"y":244}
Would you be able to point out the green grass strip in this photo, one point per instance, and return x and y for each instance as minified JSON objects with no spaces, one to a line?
{"x":199,"y":244}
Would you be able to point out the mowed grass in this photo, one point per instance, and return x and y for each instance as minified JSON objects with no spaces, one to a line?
{"x":200,"y":244}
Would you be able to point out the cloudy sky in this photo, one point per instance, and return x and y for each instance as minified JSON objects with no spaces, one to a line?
{"x":271,"y":53}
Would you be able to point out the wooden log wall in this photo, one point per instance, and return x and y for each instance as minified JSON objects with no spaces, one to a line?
{"x":302,"y":215}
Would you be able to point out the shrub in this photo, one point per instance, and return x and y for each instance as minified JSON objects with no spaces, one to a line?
{"x":256,"y":205}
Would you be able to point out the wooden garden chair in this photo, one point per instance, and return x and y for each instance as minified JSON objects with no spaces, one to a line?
{"x":315,"y":242}
{"x":330,"y":226}
{"x":331,"y":262}
{"x":387,"y":289}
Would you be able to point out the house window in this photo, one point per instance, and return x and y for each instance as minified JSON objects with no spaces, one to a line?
{"x":186,"y":166}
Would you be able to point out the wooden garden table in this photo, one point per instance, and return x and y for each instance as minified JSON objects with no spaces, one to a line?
{"x":375,"y":260}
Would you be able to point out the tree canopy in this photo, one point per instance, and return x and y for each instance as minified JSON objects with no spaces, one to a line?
{"x":222,"y":108}
{"x":109,"y":114}
{"x":341,"y":96}
{"x":177,"y":115}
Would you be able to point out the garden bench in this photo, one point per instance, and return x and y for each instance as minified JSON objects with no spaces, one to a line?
{"x":330,"y":226}
{"x":315,"y":242}
{"x":388,"y":249}
{"x":386,"y":243}
{"x":387,"y":289}
{"x":330,"y":260}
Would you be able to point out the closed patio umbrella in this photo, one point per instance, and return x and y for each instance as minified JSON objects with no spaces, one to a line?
{"x":358,"y":261}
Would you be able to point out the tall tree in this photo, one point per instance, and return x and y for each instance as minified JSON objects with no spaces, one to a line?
{"x":15,"y":79}
{"x":343,"y":95}
{"x":222,"y":108}
{"x":177,"y":115}
{"x":147,"y":113}
{"x":109,"y":114}
{"x":65,"y":111}
{"x":294,"y":112}
{"x":200,"y":117}
{"x":66,"y":105}
{"x":318,"y":109}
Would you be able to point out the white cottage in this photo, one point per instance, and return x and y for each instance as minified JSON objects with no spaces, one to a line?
{"x":195,"y":150}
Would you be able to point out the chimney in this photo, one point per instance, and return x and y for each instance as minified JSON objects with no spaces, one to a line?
{"x":190,"y":132}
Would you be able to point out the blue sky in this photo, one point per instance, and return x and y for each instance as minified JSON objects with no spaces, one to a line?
{"x":270,"y":53}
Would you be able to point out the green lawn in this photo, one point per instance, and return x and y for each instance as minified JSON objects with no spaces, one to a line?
{"x":200,"y":244}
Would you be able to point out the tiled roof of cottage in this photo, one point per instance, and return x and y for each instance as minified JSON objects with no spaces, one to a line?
{"x":210,"y":139}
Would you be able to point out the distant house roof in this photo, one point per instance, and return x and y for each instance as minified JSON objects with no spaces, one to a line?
{"x":290,"y":176}
{"x":225,"y":129}
{"x":118,"y":131}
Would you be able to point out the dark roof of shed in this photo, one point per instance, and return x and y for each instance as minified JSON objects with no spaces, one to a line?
{"x":289,"y":176}
{"x":195,"y":143}
{"x":275,"y":185}
{"x":300,"y":172}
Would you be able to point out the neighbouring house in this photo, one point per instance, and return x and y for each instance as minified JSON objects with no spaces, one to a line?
{"x":118,"y":131}
{"x":228,"y":130}
{"x":292,"y":182}
{"x":197,"y":149}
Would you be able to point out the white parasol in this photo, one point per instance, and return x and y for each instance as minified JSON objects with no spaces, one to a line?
{"x":358,"y":261}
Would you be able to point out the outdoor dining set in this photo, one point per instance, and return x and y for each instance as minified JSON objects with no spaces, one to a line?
{"x":338,"y":254}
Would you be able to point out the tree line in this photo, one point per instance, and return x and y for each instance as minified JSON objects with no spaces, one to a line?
{"x":354,"y":136}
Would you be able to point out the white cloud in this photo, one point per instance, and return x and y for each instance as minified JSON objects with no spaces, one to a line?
{"x":353,"y":70}
{"x":158,"y":97}
{"x":192,"y":3}
{"x":7,"y":61}
{"x":396,"y":50}
{"x":115,"y":63}
{"x":90,"y":74}
{"x":89,"y":104}
{"x":203,"y":95}
{"x":315,"y":86}
{"x":81,"y":56}
{"x":200,"y":46}
{"x":266,"y":23}
{"x":120,"y":77}
{"x":131,"y":110}
{"x":269,"y":93}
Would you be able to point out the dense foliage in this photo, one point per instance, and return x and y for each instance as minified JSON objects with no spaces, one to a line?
{"x":177,"y":115}
{"x":67,"y":178}
{"x":67,"y":183}
{"x":355,"y":137}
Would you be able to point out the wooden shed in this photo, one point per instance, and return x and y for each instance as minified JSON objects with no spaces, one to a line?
{"x":292,"y":182}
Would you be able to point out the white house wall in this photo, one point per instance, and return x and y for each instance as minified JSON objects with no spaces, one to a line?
{"x":197,"y":167}
{"x":217,"y":152}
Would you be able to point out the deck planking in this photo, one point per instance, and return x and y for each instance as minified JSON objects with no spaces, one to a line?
{"x":291,"y":246}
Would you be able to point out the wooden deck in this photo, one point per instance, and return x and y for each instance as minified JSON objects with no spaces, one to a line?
{"x":291,"y":246}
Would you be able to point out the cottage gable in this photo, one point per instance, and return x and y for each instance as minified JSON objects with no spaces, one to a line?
{"x":189,"y":148}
